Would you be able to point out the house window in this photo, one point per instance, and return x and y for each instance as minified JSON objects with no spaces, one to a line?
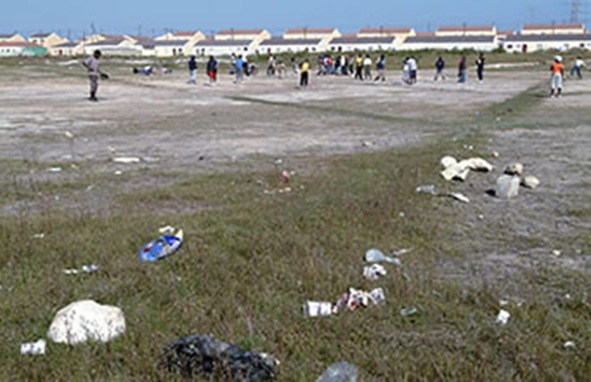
{"x":509,"y":46}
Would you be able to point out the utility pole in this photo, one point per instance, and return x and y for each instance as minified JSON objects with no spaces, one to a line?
{"x":575,"y":11}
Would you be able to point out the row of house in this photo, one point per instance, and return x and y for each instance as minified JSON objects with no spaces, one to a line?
{"x":231,"y":41}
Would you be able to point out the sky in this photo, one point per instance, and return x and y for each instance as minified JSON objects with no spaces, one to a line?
{"x":149,"y":18}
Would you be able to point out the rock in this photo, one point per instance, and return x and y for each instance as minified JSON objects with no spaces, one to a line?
{"x":514,"y":169}
{"x":530,"y":182}
{"x":448,"y":161}
{"x":86,"y":320}
{"x":478,"y":164}
{"x":507,"y":186}
{"x":458,"y":171}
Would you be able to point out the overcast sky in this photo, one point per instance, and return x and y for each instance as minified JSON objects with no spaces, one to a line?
{"x":152,"y":17}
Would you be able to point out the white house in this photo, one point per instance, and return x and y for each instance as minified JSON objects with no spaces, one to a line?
{"x":47,"y":39}
{"x":168,"y":48}
{"x":225,"y":47}
{"x":281,"y":45}
{"x":11,"y":37}
{"x":21,"y":49}
{"x":467,"y":30}
{"x":478,"y":43}
{"x":532,"y":43}
{"x":538,"y":29}
{"x":400,"y":33}
{"x":67,"y":49}
{"x":363,"y":44}
{"x":192,"y":36}
{"x":311,"y":34}
{"x":118,"y":47}
{"x":256,"y":35}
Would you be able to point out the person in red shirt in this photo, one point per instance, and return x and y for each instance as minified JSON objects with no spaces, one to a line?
{"x":557,"y":69}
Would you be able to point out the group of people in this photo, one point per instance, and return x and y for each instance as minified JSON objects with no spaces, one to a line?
{"x":358,"y":67}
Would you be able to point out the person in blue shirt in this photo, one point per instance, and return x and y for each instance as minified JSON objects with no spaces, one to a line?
{"x":192,"y":64}
{"x":381,"y":68}
{"x":439,"y":66}
{"x":212,"y":70}
{"x":239,"y":69}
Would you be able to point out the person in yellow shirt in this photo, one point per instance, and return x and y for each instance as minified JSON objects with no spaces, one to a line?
{"x":304,"y":73}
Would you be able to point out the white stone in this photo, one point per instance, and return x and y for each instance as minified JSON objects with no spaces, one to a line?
{"x":458,"y":171}
{"x":86,"y":320}
{"x":478,"y":164}
{"x":503,"y":317}
{"x":507,"y":186}
{"x":530,"y":182}
{"x":447,"y":161}
{"x":514,"y":169}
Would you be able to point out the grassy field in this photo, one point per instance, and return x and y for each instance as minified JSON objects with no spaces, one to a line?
{"x":252,"y":258}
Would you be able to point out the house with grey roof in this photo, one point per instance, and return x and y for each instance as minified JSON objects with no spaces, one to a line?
{"x":293,"y":45}
{"x":11,"y":37}
{"x":539,"y":42}
{"x":362,"y":44}
{"x":168,"y":48}
{"x":47,"y":40}
{"x":67,"y":49}
{"x":478,"y":43}
{"x":226,"y":47}
{"x":115,"y":47}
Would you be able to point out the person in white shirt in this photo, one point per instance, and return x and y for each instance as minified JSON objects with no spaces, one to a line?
{"x":412,"y":67}
{"x":579,"y":64}
{"x":367,"y":67}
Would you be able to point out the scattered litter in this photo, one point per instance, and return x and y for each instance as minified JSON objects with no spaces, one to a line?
{"x":39,"y":235}
{"x":205,"y":356}
{"x":367,"y":143}
{"x":374,"y":272}
{"x":339,"y":372}
{"x":85,"y":269}
{"x":503,"y":317}
{"x":448,"y":161}
{"x":401,"y":214}
{"x":507,"y":186}
{"x":285,"y":190}
{"x":278,"y":161}
{"x":357,"y":298}
{"x":530,"y":181}
{"x":376,"y":256}
{"x":503,"y":302}
{"x":514,"y":169}
{"x":408,"y":311}
{"x":54,"y":169}
{"x":34,"y":348}
{"x":69,"y":135}
{"x":162,"y":247}
{"x":431,"y":190}
{"x":317,"y":309}
{"x":166,"y":229}
{"x":118,"y":172}
{"x":126,"y":160}
{"x":86,"y":320}
{"x":557,"y":253}
{"x":569,"y":345}
{"x":495,"y":154}
{"x":481,"y":217}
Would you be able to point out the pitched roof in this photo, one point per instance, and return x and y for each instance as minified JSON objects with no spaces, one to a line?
{"x":166,"y":43}
{"x":234,"y":32}
{"x":310,"y":30}
{"x":7,"y":35}
{"x":294,"y":41}
{"x":40,"y":35}
{"x":19,"y":44}
{"x":467,"y":28}
{"x":448,"y":39}
{"x":185,"y":33}
{"x":548,"y":37}
{"x":363,"y":40}
{"x":384,"y":30}
{"x":505,"y":33}
{"x":106,"y":42}
{"x":552,"y":26}
{"x":425,"y":34}
{"x":223,"y":42}
{"x":67,"y":45}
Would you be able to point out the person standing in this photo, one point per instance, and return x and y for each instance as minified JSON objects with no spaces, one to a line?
{"x":271,"y":66}
{"x":439,"y":66}
{"x":579,"y":64}
{"x":212,"y":70}
{"x":557,"y":69}
{"x":412,"y":68}
{"x":280,"y":69}
{"x":359,"y":67}
{"x":462,"y":70}
{"x":304,"y":73}
{"x":381,"y":68}
{"x":92,"y":66}
{"x":239,"y":64}
{"x":406,"y":71}
{"x":192,"y":64}
{"x":480,"y":67}
{"x":367,"y":67}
